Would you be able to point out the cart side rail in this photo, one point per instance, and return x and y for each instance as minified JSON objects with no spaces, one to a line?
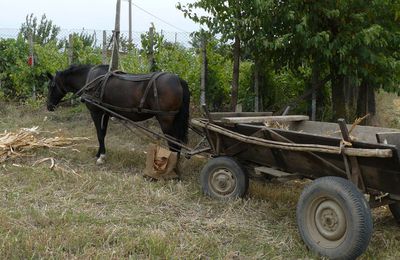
{"x":360,"y":152}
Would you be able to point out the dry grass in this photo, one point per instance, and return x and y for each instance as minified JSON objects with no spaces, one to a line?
{"x":80,"y":210}
{"x":387,"y":110}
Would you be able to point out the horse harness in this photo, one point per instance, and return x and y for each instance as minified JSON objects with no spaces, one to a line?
{"x":93,"y":91}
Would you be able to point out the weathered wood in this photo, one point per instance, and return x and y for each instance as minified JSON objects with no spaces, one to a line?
{"x":70,"y":49}
{"x":382,"y":153}
{"x":280,"y":159}
{"x":204,"y":63}
{"x":360,"y":152}
{"x":104,"y":48}
{"x":207,"y":113}
{"x":360,"y":133}
{"x":219,"y":115}
{"x":262,"y":119}
{"x":115,"y":51}
{"x":239,"y":147}
{"x":315,"y":156}
{"x":355,"y":172}
{"x":274,"y":172}
{"x":389,"y":138}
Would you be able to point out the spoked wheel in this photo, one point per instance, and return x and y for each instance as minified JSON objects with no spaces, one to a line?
{"x":334,"y":218}
{"x":223,"y":178}
{"x":395,"y":209}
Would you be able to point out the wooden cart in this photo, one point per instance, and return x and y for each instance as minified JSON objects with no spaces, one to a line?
{"x":353,"y":168}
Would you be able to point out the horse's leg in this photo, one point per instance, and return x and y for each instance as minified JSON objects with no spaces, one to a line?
{"x":100,"y":120}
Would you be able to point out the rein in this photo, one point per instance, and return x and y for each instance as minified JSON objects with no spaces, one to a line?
{"x":78,"y":93}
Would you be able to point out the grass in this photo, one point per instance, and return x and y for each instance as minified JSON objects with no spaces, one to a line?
{"x":110,"y":211}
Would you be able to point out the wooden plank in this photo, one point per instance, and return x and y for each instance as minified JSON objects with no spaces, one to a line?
{"x":219,"y":115}
{"x":262,"y":119}
{"x":390,"y":138}
{"x":274,"y":172}
{"x":360,"y":133}
{"x":330,"y":165}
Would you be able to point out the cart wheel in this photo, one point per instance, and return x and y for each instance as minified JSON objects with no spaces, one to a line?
{"x":395,"y":209}
{"x":223,"y":178}
{"x":334,"y":219}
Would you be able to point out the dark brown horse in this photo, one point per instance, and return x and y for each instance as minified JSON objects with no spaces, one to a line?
{"x":136,"y":97}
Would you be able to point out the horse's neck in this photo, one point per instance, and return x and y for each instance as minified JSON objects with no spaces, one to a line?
{"x":75,"y":81}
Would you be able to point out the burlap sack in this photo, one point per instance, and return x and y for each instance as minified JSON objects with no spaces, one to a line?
{"x":160,"y":163}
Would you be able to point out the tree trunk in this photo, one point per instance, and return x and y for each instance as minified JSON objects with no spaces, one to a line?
{"x":366,"y":101}
{"x":314,"y":84}
{"x":256,"y":88}
{"x":235,"y":75}
{"x":338,"y":97}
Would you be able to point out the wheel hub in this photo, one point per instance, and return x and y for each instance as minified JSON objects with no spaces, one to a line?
{"x":222,"y":181}
{"x":330,"y":220}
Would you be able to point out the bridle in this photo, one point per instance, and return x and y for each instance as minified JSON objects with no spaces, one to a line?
{"x":76,"y":94}
{"x":62,"y":91}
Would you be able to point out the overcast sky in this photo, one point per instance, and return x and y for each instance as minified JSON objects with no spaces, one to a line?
{"x":96,"y":14}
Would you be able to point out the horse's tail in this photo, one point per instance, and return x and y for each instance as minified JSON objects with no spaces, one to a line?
{"x":181,"y":121}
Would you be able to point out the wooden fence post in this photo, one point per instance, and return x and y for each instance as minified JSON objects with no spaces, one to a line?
{"x":203,"y":70}
{"x":151,"y":50}
{"x":32,"y":60}
{"x":104,"y":50}
{"x":70,"y":49}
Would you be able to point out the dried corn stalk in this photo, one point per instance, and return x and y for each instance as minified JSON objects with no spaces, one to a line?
{"x":18,"y":144}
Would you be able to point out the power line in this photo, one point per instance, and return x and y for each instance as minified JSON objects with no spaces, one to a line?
{"x":158,"y":18}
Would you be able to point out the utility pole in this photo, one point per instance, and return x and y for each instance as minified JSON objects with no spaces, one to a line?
{"x":130,"y":22}
{"x":115,"y":51}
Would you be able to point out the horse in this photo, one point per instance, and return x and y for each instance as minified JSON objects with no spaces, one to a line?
{"x":128,"y":96}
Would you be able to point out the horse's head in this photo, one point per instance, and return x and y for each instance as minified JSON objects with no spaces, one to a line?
{"x":55,"y":92}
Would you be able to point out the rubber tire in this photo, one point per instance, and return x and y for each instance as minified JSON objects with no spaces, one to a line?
{"x":395,"y":209}
{"x":237,"y":172}
{"x":355,"y":209}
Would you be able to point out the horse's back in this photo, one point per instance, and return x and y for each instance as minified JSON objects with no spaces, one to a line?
{"x":96,"y":71}
{"x":164,"y":91}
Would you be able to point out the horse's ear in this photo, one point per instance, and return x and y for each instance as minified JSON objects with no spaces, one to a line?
{"x":48,"y":74}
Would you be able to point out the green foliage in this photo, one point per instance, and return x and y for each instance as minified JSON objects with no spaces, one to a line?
{"x":219,"y":77}
{"x":42,"y":33}
{"x":84,"y":53}
{"x":246,"y":82}
{"x":12,"y":52}
{"x":17,"y":77}
{"x":152,"y":42}
{"x":184,"y":62}
{"x":24,"y":78}
{"x":134,"y":62}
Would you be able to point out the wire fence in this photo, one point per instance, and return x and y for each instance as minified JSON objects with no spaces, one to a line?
{"x":182,"y":38}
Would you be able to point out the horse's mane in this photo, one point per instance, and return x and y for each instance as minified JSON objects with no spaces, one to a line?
{"x":74,"y":68}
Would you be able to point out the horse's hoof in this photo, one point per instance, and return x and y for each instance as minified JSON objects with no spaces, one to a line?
{"x":101,"y":160}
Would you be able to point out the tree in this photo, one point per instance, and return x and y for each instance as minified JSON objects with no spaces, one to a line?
{"x":352,"y":44}
{"x":41,"y":33}
{"x":224,"y":18}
